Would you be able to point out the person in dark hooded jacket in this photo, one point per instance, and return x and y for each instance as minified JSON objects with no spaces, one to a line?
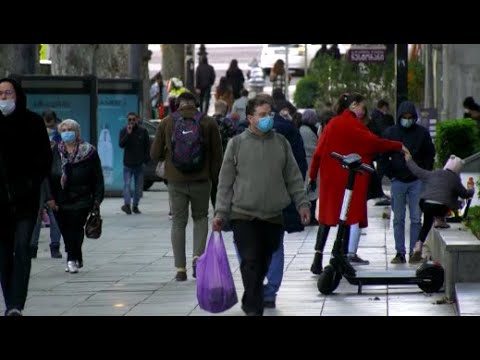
{"x":406,"y":186}
{"x":26,"y":161}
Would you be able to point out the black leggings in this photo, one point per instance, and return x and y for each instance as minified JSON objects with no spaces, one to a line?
{"x":72,"y":227}
{"x":430,"y":211}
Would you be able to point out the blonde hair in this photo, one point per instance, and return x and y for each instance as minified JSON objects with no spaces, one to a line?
{"x":71,"y":124}
{"x":221,"y":107}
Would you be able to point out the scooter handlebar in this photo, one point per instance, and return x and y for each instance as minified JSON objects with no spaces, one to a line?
{"x":368,"y":168}
{"x":364,"y":167}
{"x":337,"y":156}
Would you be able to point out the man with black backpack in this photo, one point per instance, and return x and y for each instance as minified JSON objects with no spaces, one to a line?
{"x":189,"y":143}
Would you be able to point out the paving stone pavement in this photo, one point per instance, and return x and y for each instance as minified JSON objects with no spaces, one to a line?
{"x":129,"y":271}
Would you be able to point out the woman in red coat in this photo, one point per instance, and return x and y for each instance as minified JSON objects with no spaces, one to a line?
{"x":344,"y":134}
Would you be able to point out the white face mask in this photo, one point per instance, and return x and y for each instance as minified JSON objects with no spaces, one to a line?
{"x":7,"y":106}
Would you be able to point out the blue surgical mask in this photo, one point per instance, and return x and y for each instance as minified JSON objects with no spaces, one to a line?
{"x":68,"y":136}
{"x":406,"y":123}
{"x":265,"y":124}
{"x":7,"y":106}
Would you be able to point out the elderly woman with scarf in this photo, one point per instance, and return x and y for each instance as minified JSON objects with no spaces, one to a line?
{"x":77,"y":188}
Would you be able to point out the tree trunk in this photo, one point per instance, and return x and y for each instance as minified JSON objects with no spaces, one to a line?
{"x":139,"y":57}
{"x":104,"y":60}
{"x":22,"y":59}
{"x":173,"y":61}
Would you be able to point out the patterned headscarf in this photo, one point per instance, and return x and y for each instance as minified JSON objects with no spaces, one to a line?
{"x":82,"y":152}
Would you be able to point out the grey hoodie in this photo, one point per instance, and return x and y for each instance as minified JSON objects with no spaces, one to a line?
{"x":259,"y":178}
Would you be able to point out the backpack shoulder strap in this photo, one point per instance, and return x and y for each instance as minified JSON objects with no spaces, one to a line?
{"x":198,"y":116}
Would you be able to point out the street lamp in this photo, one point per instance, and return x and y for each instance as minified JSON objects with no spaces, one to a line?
{"x":190,"y":67}
{"x":401,"y":72}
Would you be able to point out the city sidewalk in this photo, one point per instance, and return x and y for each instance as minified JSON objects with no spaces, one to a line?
{"x":129,"y":271}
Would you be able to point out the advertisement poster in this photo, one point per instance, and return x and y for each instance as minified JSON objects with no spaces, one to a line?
{"x":67,"y":106}
{"x":112,"y":118}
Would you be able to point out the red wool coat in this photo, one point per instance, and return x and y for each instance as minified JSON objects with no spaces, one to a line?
{"x":345,"y":134}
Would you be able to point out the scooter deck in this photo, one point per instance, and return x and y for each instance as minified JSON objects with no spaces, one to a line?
{"x":393,"y":277}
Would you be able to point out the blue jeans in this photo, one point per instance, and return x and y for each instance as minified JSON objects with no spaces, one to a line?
{"x":275,"y":272}
{"x":55,"y":234}
{"x":401,"y":192}
{"x":355,"y":233}
{"x":137,"y":174}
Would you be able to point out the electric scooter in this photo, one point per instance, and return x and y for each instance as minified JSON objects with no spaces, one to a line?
{"x":429,"y":276}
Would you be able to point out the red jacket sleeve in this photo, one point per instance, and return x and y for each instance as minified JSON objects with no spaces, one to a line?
{"x":371,"y":143}
{"x":315,"y":164}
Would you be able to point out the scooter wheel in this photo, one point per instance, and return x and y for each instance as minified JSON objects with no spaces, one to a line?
{"x":328,"y":280}
{"x":432,"y":277}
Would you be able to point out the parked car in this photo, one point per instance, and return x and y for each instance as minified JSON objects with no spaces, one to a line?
{"x":296,"y":55}
{"x":150,"y":177}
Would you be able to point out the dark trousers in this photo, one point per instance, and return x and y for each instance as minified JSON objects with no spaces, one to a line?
{"x":15,"y":260}
{"x":72,"y":227}
{"x":205,"y":95}
{"x":430,"y":211}
{"x":213,"y":193}
{"x":256,"y":241}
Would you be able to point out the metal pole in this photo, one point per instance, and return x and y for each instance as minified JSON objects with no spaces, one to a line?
{"x":286,"y":72}
{"x":190,"y":67}
{"x":429,"y":98}
{"x":306,"y":60}
{"x":401,"y":72}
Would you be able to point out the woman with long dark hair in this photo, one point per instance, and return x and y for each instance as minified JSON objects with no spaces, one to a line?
{"x":224,"y":92}
{"x":235,"y":78}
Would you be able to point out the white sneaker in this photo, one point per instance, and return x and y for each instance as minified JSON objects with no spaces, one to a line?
{"x":72,"y":267}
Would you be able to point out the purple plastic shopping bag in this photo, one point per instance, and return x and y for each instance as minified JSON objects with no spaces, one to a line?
{"x":215,"y":287}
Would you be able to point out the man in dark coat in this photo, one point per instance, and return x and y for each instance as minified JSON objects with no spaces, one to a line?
{"x":26,"y":161}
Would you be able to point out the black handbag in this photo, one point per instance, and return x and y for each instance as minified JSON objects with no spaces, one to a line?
{"x":93,"y":227}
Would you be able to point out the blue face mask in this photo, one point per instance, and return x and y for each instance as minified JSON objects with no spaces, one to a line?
{"x":68,"y":136}
{"x":406,"y":123}
{"x":265,"y":124}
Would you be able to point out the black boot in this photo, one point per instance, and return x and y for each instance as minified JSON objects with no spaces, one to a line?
{"x":317,"y":265}
{"x":55,"y":252}
{"x":322,"y":236}
{"x":33,"y":252}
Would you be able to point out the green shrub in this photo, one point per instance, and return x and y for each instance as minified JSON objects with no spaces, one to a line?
{"x":306,"y":92}
{"x":335,"y":77}
{"x":473,"y":220}
{"x":456,"y":137}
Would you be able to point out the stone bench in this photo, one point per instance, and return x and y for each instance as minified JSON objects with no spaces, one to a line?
{"x":468,"y":296}
{"x":458,"y":250}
